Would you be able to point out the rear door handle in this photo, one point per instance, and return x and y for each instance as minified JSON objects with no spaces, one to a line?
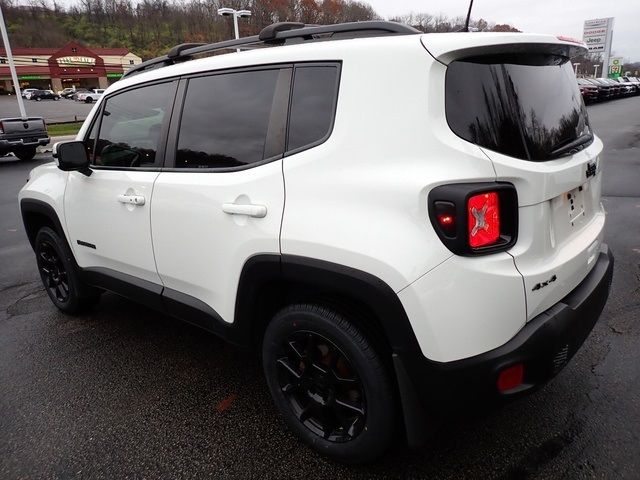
{"x":131,"y":199}
{"x":251,"y":210}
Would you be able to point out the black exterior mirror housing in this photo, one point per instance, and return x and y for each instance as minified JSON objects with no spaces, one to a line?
{"x":72,"y":156}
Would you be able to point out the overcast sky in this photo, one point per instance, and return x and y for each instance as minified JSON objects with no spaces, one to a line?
{"x":564,"y":17}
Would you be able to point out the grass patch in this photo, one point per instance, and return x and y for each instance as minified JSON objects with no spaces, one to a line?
{"x":59,"y":129}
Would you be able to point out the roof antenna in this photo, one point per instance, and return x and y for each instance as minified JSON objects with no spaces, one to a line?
{"x":466,"y":24}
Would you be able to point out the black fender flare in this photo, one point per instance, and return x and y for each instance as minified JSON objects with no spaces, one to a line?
{"x":30,"y":206}
{"x":262,"y":270}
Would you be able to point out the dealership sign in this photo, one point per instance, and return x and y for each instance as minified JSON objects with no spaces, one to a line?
{"x":65,"y":61}
{"x":597,"y":35}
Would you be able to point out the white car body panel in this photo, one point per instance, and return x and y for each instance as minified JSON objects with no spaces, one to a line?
{"x":199,"y":249}
{"x":466,"y":306}
{"x":121,"y":232}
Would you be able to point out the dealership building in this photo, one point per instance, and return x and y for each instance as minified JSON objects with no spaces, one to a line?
{"x":72,"y":65}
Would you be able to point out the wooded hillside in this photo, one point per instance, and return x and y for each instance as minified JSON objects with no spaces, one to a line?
{"x":151,"y":27}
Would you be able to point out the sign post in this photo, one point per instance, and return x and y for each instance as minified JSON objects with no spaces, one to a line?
{"x":598,"y":35}
{"x":12,"y":67}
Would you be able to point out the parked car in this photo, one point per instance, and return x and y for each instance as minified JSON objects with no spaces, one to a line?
{"x":26,"y":93}
{"x":430,"y":252}
{"x":605,"y":91}
{"x":588,"y":90}
{"x":634,"y":80}
{"x":39,"y":95}
{"x":22,"y":137}
{"x":630,"y":88}
{"x":90,"y":96}
{"x":617,"y":89}
{"x":67,"y":92}
{"x":74,"y":95}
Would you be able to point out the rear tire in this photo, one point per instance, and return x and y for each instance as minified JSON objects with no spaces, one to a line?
{"x":38,"y":99}
{"x":59,"y":274}
{"x":88,"y":100}
{"x":25,"y":153}
{"x":331,"y":387}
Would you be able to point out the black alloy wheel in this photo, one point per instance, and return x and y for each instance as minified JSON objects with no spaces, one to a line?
{"x":53,"y":272}
{"x":322,"y":387}
{"x":59,"y":273}
{"x":333,"y":386}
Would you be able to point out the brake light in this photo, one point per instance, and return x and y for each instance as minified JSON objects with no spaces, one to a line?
{"x":565,"y":38}
{"x":475,"y":218}
{"x":483,"y":213}
{"x":1,"y":128}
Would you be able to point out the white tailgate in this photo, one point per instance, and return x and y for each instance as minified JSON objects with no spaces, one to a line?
{"x":560,"y":222}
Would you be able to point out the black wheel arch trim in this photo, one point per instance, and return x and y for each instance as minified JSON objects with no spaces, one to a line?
{"x":32,"y":206}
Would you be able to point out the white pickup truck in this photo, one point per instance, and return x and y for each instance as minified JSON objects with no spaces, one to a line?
{"x":90,"y":97}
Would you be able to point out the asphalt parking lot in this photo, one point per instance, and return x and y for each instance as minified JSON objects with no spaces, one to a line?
{"x":124,"y":392}
{"x":52,"y":111}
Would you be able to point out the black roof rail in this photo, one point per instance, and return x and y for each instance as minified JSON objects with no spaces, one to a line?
{"x":279,"y":34}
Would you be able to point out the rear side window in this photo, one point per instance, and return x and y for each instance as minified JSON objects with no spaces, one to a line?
{"x":528,"y":108}
{"x":226,"y":118}
{"x":131,"y":127}
{"x":313,"y":105}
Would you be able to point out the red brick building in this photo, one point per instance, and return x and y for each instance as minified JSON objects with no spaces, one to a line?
{"x":68,"y":66}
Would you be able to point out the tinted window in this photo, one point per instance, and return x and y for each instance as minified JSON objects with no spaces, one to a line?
{"x":225,"y":120}
{"x":312,"y":105}
{"x":523,"y":110}
{"x":131,"y":126}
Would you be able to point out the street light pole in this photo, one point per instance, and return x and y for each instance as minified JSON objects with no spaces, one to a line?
{"x":227,"y":12}
{"x":12,"y":66}
{"x":595,"y":71}
{"x":235,"y":26}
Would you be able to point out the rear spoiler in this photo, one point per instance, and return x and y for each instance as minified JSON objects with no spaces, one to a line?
{"x":448,"y":47}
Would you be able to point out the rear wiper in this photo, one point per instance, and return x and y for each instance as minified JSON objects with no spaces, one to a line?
{"x":573,"y":146}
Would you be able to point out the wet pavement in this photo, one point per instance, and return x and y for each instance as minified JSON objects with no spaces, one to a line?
{"x":126,"y":392}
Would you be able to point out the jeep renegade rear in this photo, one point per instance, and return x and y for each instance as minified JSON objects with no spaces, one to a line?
{"x":396,"y":221}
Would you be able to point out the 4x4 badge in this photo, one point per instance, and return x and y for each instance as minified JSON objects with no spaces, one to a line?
{"x":540,"y":285}
{"x":591,"y":169}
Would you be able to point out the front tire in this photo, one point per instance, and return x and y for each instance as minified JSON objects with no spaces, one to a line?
{"x":59,"y":274}
{"x":331,"y":386}
{"x":25,"y":154}
{"x":88,"y":100}
{"x":38,"y":99}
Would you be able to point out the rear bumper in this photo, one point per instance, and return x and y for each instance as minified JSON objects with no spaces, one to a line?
{"x":28,"y":141}
{"x":544,"y":346}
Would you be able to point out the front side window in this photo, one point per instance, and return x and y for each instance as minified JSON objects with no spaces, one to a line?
{"x":313,"y":104}
{"x":131,"y":127}
{"x":529,"y":108}
{"x":225,"y":120}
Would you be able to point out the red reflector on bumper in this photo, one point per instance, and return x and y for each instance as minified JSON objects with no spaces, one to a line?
{"x":511,"y":377}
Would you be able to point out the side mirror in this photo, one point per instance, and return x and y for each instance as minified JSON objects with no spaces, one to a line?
{"x":72,"y":156}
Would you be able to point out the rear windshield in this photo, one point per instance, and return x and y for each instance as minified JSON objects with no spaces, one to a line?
{"x":525,"y":109}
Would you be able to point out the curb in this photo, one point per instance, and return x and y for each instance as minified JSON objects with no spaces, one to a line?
{"x":49,"y":148}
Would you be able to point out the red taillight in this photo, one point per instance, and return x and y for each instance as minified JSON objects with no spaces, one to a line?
{"x":483,"y":213}
{"x":1,"y":128}
{"x":511,"y":377}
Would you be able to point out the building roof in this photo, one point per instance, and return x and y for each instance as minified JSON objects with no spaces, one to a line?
{"x":50,"y":51}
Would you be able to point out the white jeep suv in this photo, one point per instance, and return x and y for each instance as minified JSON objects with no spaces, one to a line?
{"x":396,"y":221}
